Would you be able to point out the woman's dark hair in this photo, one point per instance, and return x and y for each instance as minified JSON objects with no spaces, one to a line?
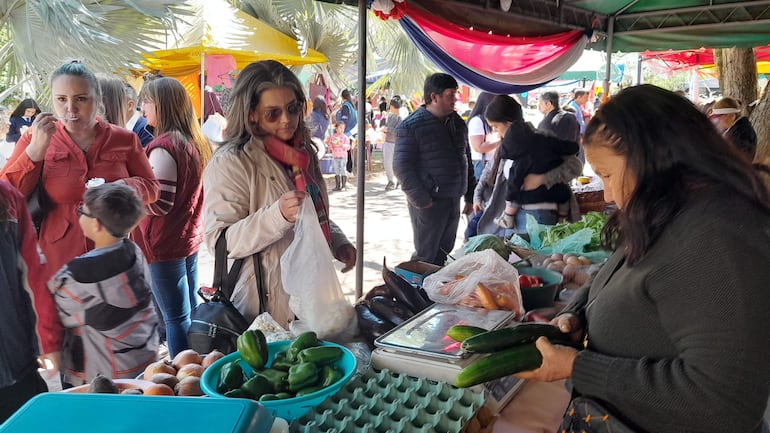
{"x":481,"y":106}
{"x":503,"y":108}
{"x":319,"y":106}
{"x":244,"y":98}
{"x":22,"y":107}
{"x":671,"y":149}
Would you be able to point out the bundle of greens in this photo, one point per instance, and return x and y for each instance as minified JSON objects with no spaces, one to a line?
{"x":592,"y":220}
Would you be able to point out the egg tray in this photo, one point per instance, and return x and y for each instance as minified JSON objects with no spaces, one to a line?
{"x":381,"y":401}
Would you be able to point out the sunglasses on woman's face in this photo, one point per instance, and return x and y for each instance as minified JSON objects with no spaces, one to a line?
{"x":274,"y":114}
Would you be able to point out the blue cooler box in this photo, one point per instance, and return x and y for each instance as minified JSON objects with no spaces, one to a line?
{"x":115,"y":413}
{"x":327,"y":164}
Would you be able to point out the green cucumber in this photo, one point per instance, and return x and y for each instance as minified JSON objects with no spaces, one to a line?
{"x":500,"y":339}
{"x":461,"y":332}
{"x":524,"y":357}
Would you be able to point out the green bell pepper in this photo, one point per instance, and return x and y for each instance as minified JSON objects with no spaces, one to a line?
{"x":309,"y":390}
{"x":282,"y":364}
{"x":277,"y":379}
{"x":253,"y":348}
{"x":236,"y":393}
{"x":321,"y":355}
{"x":329,"y":375}
{"x":303,"y":341}
{"x":302,"y":375}
{"x":230,"y":377}
{"x":256,"y":387}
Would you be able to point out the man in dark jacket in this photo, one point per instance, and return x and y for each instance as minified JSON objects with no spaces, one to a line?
{"x":433,"y":164}
{"x":557,"y":121}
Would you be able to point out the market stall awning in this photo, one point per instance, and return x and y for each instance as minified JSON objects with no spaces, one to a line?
{"x":702,"y":57}
{"x":221,"y":29}
{"x":635,"y":25}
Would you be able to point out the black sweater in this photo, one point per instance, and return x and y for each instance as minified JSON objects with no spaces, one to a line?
{"x":680,"y":342}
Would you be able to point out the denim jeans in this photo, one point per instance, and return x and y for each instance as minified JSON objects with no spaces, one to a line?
{"x":548,"y":217}
{"x":175,"y":288}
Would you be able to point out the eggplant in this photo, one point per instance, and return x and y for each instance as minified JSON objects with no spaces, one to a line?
{"x":381,"y":290}
{"x":390,"y":310}
{"x":370,"y":325}
{"x":402,"y":290}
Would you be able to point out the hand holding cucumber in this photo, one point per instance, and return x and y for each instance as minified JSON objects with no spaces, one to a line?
{"x":557,"y":362}
{"x":571,"y":324}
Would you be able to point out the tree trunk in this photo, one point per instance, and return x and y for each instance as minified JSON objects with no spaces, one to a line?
{"x":760,"y":119}
{"x":738,"y":74}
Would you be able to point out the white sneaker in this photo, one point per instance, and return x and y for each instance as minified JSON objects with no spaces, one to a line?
{"x":506,"y":221}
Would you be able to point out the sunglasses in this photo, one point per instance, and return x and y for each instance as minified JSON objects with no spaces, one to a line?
{"x":82,"y":212}
{"x":274,"y":114}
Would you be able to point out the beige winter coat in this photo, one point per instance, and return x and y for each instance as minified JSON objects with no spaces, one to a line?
{"x":241,"y":189}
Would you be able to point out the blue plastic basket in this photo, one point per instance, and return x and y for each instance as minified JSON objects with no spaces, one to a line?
{"x":290,"y":408}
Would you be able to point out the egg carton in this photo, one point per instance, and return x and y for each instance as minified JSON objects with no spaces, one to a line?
{"x":381,"y":401}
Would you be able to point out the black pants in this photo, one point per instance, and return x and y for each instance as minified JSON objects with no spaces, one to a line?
{"x":435,"y":230}
{"x":14,"y":396}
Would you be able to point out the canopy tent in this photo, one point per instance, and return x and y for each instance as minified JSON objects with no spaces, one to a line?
{"x":222,"y":38}
{"x":703,"y":58}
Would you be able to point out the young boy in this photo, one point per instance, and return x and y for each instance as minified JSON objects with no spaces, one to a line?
{"x":103,"y":296}
{"x":339,"y":144}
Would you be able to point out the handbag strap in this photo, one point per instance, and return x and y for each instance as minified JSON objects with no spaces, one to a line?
{"x":225,"y":280}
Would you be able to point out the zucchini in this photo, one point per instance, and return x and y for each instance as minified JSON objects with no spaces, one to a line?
{"x":461,"y":332}
{"x":524,"y":357}
{"x":500,"y":339}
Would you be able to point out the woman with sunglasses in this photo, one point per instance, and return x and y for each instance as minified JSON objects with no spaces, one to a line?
{"x":65,"y":149}
{"x":255,"y":184}
{"x":171,"y":234}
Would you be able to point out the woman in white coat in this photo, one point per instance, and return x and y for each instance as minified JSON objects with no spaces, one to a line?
{"x":256,"y":182}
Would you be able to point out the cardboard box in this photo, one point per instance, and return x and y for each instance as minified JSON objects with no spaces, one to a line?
{"x":414,"y":271}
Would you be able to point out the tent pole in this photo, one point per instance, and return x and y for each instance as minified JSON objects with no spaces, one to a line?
{"x":362,"y":148}
{"x":202,"y":86}
{"x":608,"y":64}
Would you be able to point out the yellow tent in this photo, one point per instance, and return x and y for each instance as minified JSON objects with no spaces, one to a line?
{"x":220,"y":29}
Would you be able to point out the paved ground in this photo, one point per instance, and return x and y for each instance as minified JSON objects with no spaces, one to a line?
{"x":387,"y":230}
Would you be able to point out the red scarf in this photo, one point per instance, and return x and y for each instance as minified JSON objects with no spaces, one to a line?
{"x":296,"y":158}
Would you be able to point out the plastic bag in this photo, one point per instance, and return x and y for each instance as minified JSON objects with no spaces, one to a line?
{"x":572,"y":244}
{"x":214,"y":127}
{"x":309,"y":277}
{"x":482,"y":279}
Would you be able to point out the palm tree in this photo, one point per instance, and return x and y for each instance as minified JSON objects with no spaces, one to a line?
{"x":36,"y":36}
{"x":332,"y":29}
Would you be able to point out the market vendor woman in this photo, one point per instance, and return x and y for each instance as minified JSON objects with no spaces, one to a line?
{"x":676,"y":322}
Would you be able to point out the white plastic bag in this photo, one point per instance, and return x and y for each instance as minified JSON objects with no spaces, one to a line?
{"x":480,"y":279}
{"x":309,"y":277}
{"x":214,"y":127}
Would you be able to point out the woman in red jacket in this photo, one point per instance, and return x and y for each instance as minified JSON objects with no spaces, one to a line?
{"x":172,"y":232}
{"x":67,"y":148}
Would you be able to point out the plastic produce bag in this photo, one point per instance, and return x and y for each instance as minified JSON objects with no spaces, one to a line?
{"x":572,"y":244}
{"x":309,"y":277}
{"x":482,"y":279}
{"x":214,"y":127}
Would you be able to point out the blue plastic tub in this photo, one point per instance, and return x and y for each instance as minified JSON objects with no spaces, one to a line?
{"x":290,"y":408}
{"x":115,"y":413}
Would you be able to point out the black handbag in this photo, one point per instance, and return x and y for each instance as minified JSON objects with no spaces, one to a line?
{"x":586,"y":415}
{"x":38,"y":204}
{"x":349,"y":163}
{"x":216,"y":323}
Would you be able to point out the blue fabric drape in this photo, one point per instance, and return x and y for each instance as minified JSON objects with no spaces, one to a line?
{"x":456,"y":69}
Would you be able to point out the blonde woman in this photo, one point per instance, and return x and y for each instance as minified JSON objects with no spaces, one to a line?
{"x":171,"y":234}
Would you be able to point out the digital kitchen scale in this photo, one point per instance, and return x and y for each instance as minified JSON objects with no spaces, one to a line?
{"x":419,"y":347}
